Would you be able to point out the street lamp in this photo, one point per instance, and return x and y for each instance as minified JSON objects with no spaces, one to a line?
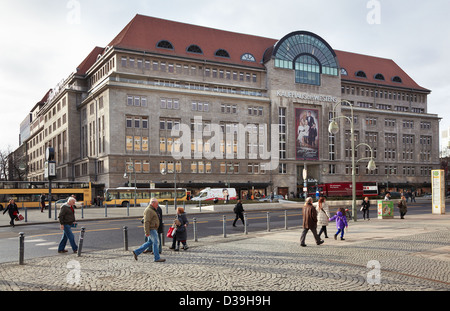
{"x":164,"y":172}
{"x":126,"y":176}
{"x":333,"y":128}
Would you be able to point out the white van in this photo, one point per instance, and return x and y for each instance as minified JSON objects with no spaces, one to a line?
{"x":209,"y":194}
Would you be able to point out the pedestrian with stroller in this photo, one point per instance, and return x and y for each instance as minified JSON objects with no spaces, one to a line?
{"x":341,"y":223}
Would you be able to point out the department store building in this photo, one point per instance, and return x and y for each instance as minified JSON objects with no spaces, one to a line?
{"x":216,"y":109}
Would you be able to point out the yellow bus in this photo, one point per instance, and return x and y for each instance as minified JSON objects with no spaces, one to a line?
{"x":28,"y":193}
{"x":124,"y":195}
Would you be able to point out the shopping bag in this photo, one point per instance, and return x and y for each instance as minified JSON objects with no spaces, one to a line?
{"x":171,"y":232}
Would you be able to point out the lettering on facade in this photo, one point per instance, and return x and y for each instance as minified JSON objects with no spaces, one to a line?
{"x":306,"y":96}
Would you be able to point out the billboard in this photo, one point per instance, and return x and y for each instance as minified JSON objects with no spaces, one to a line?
{"x":307,"y":134}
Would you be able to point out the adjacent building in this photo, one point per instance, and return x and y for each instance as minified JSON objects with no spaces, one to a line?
{"x":216,"y":108}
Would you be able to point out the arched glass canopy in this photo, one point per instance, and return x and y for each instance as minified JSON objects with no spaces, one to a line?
{"x":308,"y":54}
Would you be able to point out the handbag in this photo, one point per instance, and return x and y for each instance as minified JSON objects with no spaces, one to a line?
{"x":171,"y":232}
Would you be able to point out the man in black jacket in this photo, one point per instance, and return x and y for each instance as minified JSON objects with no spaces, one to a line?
{"x":239,"y":211}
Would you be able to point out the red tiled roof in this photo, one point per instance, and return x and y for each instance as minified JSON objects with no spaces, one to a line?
{"x":89,"y":61}
{"x":143,"y":33}
{"x":372,"y":66}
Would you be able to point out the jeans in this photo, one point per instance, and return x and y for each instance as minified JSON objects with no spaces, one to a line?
{"x":67,"y":234}
{"x":152,"y":241}
{"x":341,"y":231}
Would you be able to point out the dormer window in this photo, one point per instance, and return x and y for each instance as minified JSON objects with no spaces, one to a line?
{"x":397,"y":79}
{"x":222,"y":53}
{"x":344,"y":72}
{"x":248,"y":57}
{"x":194,"y":49}
{"x":361,"y":74}
{"x":379,"y":76}
{"x":164,"y":44}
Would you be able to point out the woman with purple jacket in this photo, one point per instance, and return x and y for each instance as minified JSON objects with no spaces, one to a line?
{"x":341,"y":224}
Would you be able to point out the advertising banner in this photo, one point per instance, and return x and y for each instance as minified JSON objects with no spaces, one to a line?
{"x":438,"y":192}
{"x":307,"y":134}
{"x":385,"y":209}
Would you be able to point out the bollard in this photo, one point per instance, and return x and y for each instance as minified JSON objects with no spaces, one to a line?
{"x":163,"y":237}
{"x":224,"y":226}
{"x":125,"y":238}
{"x":128,"y":209}
{"x":80,"y":242}
{"x":106,"y":210}
{"x":82,"y":210}
{"x":195,"y":230}
{"x":268,"y":222}
{"x":184,"y":205}
{"x":167,"y":207}
{"x":26,"y":213}
{"x":21,"y":247}
{"x":285,"y":220}
{"x":246,"y":223}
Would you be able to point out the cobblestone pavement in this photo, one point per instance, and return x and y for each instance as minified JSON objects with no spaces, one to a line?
{"x":404,"y":255}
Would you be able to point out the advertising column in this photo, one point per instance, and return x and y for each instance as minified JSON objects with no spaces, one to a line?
{"x":438,"y":192}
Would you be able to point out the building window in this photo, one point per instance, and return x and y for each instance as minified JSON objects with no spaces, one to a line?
{"x":248,"y":57}
{"x":194,"y":49}
{"x":361,"y":74}
{"x":222,"y":53}
{"x":164,"y":44}
{"x":307,"y":70}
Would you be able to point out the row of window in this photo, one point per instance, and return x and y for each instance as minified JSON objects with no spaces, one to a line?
{"x":193,"y":70}
{"x":386,"y":94}
{"x":388,"y":170}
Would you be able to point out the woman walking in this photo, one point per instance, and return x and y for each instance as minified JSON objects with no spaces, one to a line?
{"x":12,"y":210}
{"x":322,"y":215}
{"x":181,"y":222}
{"x":365,"y":208}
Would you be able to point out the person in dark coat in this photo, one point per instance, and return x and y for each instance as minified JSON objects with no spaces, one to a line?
{"x":239,"y":211}
{"x":12,"y":210}
{"x":181,"y":222}
{"x":365,"y":208}
{"x":309,"y":222}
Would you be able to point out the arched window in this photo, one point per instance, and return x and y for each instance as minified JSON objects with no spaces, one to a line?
{"x":361,"y":74}
{"x":248,"y":57}
{"x":344,"y":72}
{"x":397,"y":79}
{"x":308,"y":54}
{"x":222,"y":53}
{"x":164,"y":44}
{"x":379,"y":76}
{"x":194,"y":49}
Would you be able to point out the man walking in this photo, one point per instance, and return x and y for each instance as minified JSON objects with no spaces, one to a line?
{"x":67,"y":221}
{"x":151,"y":224}
{"x":309,"y":222}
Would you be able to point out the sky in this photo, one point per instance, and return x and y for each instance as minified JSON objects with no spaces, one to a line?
{"x":43,"y":41}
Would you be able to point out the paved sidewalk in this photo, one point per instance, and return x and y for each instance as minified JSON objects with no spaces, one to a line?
{"x":378,"y":255}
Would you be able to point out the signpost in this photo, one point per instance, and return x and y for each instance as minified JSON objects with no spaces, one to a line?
{"x":50,"y":173}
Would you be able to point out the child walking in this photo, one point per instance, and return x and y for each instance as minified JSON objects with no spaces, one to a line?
{"x":341,"y":224}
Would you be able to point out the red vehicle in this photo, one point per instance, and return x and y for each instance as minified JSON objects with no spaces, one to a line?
{"x":344,"y":189}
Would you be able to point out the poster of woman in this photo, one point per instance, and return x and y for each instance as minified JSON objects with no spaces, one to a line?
{"x":307,"y":134}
